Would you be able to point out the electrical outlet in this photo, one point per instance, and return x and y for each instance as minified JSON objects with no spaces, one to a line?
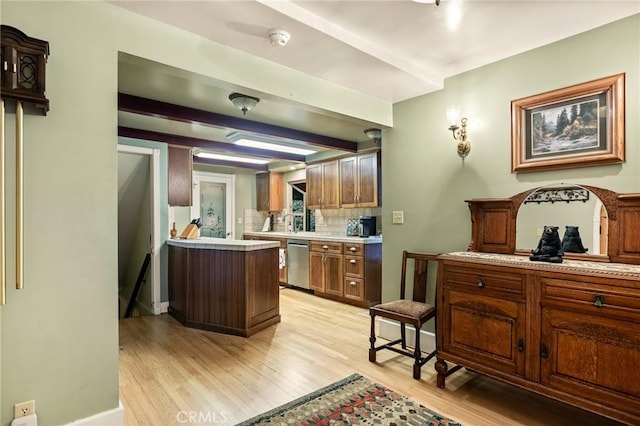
{"x":24,"y":409}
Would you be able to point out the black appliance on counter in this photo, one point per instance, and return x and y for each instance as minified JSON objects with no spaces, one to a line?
{"x":366,"y":226}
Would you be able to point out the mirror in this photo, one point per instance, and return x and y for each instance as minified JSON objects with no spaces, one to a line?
{"x":563,"y":205}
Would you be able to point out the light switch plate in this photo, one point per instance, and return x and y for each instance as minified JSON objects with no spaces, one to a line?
{"x":398,"y":217}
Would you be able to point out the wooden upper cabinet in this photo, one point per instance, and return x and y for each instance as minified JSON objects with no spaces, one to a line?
{"x":180,"y":176}
{"x":322,"y":185}
{"x":23,"y":62}
{"x":359,"y":181}
{"x":270,"y":191}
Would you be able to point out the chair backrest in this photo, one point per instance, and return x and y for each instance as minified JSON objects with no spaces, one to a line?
{"x":420,"y":274}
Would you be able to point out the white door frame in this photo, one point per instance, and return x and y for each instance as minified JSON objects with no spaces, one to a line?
{"x":154,"y":157}
{"x":230,"y":182}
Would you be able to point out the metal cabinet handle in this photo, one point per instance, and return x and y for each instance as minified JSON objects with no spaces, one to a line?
{"x":544,"y":352}
{"x":480,"y":283}
{"x":5,"y":65}
{"x":598,"y":301}
{"x":353,"y":249}
{"x":520,"y":345}
{"x":15,"y":68}
{"x":325,"y":247}
{"x":353,"y":261}
{"x":352,"y":283}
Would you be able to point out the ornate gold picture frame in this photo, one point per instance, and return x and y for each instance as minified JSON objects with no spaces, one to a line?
{"x":576,"y":126}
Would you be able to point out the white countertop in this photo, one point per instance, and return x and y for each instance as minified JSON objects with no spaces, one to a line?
{"x":208,"y":243}
{"x":312,"y":236}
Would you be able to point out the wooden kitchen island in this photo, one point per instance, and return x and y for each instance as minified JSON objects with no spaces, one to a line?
{"x":227,"y":286}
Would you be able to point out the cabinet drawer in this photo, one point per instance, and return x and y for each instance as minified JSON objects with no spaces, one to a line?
{"x":354,"y":266}
{"x":354,"y":288}
{"x":325,"y":247}
{"x":486,"y":282}
{"x":354,"y":249}
{"x":584,"y":295}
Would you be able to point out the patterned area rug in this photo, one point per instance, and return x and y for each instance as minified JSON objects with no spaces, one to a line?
{"x":351,"y":401}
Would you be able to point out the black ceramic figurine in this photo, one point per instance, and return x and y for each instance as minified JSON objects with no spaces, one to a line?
{"x":571,"y":241}
{"x":549,"y":247}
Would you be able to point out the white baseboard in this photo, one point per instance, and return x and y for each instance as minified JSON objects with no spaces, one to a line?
{"x":113,"y":417}
{"x":390,"y":330}
{"x":164,"y":308}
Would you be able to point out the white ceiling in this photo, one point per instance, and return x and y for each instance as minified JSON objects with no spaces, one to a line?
{"x":391,"y":50}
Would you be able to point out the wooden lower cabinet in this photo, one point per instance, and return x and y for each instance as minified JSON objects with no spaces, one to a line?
{"x":348,"y":272}
{"x":570,"y":332}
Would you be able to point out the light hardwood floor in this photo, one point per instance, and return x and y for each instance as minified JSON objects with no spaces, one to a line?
{"x":169,"y":372}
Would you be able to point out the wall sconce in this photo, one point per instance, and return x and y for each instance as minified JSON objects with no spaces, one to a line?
{"x":243,"y":102}
{"x":459,"y":132}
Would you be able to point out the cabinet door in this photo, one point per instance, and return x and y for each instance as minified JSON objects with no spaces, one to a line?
{"x":348,"y":182}
{"x":262,"y":192}
{"x":269,"y":192}
{"x":316,"y":271}
{"x":367,"y":176}
{"x":314,"y":186}
{"x":484,"y":330}
{"x":330,"y":185}
{"x":333,"y":274}
{"x":180,"y":176}
{"x":592,"y":356}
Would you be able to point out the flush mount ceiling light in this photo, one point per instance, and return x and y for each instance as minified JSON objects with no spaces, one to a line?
{"x":373,"y":133}
{"x":243,"y":102}
{"x":231,"y":158}
{"x":265,"y":142}
{"x":278,"y":37}
{"x":437,"y":2}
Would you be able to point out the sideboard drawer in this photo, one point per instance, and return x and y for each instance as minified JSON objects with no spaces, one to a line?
{"x":354,"y":249}
{"x":486,"y":282}
{"x":354,"y":266}
{"x":590,"y":297}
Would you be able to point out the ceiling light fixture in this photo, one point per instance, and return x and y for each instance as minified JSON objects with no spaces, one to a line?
{"x":265,"y":142}
{"x":231,"y":158}
{"x":373,"y":133}
{"x":437,"y":2}
{"x":243,"y":102}
{"x":278,"y":37}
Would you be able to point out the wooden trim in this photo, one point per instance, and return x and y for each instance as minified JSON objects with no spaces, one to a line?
{"x":150,"y":107}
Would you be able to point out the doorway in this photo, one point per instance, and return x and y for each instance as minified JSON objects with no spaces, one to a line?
{"x":214,"y":204}
{"x":139,"y":226}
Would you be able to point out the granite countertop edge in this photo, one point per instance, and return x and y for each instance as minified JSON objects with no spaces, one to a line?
{"x":207,"y":243}
{"x":310,"y":236}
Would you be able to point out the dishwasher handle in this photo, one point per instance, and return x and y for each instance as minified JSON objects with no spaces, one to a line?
{"x":298,"y":245}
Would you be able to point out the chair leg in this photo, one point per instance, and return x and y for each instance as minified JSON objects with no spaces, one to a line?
{"x":403,"y":335}
{"x":372,"y":339}
{"x":416,"y":356}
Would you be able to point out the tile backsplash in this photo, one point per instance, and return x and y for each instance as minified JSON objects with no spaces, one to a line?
{"x":328,"y":221}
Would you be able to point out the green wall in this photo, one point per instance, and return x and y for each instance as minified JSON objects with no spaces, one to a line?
{"x":59,"y":335}
{"x":419,"y":153}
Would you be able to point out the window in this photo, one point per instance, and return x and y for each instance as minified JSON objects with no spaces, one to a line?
{"x":303,"y":219}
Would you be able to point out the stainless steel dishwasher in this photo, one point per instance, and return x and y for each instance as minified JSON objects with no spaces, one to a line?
{"x":298,"y":263}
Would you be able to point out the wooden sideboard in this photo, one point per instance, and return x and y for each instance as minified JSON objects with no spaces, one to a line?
{"x":569,"y":331}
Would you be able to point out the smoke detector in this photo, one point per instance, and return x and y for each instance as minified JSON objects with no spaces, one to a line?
{"x":278,"y":37}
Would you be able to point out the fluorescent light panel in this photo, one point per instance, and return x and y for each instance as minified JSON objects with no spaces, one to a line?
{"x":231,"y":158}
{"x":263,"y":142}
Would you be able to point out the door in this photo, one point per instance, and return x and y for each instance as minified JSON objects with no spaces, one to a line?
{"x":213,"y":203}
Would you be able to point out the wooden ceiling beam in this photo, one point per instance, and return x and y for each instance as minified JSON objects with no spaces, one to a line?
{"x":150,"y":107}
{"x":206,"y":144}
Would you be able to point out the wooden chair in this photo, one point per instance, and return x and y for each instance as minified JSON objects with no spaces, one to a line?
{"x":415,"y":311}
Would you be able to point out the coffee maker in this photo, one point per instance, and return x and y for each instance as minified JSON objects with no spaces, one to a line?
{"x":366,"y":226}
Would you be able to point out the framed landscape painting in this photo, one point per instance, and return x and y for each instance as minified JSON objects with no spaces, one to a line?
{"x":577,"y":126}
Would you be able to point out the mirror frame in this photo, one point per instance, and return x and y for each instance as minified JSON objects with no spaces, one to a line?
{"x":493,"y":225}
